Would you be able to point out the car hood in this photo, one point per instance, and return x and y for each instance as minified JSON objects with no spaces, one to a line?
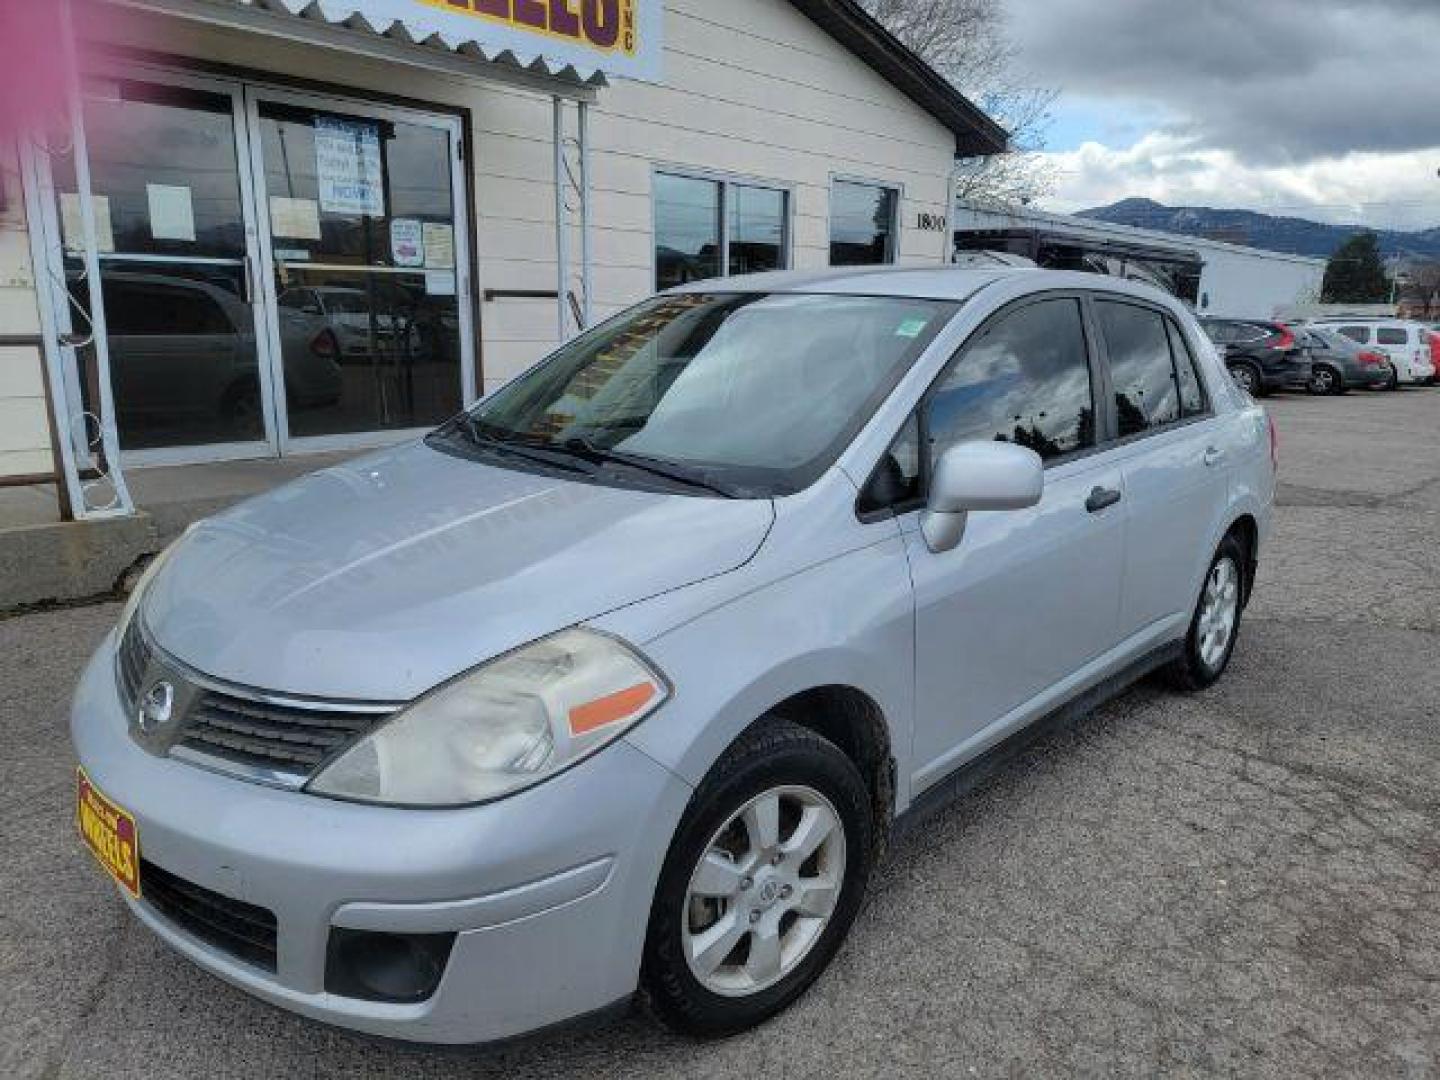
{"x":381,"y":578}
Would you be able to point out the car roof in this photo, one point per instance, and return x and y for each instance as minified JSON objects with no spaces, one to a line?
{"x":917,"y":282}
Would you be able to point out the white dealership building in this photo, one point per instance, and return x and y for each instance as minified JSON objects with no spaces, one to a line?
{"x":324,"y":224}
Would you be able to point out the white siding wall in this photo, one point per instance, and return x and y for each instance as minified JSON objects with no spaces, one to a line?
{"x":752,"y":88}
{"x":24,"y":415}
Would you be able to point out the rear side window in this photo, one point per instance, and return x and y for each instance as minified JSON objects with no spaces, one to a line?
{"x":1141,"y":368}
{"x":1192,"y":391}
{"x":1220,"y":333}
{"x":1357,"y":333}
{"x":1247,"y":332}
{"x":1025,"y":378}
{"x":1392,"y":335}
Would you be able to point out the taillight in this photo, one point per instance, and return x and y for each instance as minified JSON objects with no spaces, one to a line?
{"x":1274,"y":443}
{"x":1370,"y":359}
{"x":324,"y":344}
{"x":1286,"y":341}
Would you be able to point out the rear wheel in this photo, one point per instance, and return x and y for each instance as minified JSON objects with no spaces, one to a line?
{"x":1248,"y":378}
{"x":761,"y":883}
{"x":1394,"y":381}
{"x":1215,"y":626}
{"x":1326,"y":380}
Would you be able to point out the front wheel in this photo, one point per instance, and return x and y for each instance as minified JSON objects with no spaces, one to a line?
{"x":761,"y":883}
{"x":1215,"y":626}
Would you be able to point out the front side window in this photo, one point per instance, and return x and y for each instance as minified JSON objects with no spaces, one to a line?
{"x":708,"y":228}
{"x":1390,"y":335}
{"x":863,"y":228}
{"x":756,"y":394}
{"x":1025,"y":379}
{"x":1357,"y":333}
{"x":1141,"y":368}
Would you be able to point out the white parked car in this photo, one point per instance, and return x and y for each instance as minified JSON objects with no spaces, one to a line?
{"x":617,"y":681}
{"x":1407,"y":344}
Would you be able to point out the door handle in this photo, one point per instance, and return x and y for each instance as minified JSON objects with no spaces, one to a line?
{"x":1214,"y":455}
{"x":1101,"y":498}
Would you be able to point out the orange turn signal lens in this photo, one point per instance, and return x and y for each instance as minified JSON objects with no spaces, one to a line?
{"x":610,"y":709}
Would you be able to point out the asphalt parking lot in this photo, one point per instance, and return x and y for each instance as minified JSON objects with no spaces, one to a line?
{"x":1242,"y":882}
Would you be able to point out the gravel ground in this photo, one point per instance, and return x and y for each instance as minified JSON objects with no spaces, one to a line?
{"x":1242,"y":882}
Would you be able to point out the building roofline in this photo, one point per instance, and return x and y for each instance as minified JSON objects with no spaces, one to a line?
{"x":976,"y":134}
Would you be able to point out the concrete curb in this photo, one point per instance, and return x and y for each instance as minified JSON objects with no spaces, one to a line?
{"x":72,"y":561}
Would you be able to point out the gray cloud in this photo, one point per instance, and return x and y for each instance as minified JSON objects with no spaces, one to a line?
{"x":1274,"y":81}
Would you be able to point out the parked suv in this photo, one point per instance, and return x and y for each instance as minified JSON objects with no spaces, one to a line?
{"x":1262,"y":356}
{"x":619,"y":679}
{"x":1406,"y":345}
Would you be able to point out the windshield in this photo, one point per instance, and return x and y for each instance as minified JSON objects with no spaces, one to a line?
{"x":754,"y":394}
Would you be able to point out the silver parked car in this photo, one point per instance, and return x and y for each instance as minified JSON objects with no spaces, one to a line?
{"x":618,"y":681}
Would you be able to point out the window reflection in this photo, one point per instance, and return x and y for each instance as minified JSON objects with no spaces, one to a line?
{"x":687,"y":230}
{"x":1025,"y":379}
{"x":862,"y":224}
{"x":757,"y":229}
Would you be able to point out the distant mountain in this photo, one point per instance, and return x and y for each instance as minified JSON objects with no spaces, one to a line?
{"x":1295,"y":236}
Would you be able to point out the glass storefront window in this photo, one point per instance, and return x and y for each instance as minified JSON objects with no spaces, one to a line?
{"x":862,"y":224}
{"x":362,"y":230}
{"x":687,"y":230}
{"x":708,"y":228}
{"x":757,"y":229}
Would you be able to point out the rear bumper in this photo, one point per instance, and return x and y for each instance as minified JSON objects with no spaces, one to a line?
{"x":547,"y":892}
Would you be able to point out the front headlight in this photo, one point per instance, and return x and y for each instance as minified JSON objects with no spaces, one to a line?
{"x":505,"y":726}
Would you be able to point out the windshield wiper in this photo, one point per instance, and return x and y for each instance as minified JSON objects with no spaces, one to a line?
{"x":478,"y":436}
{"x":669,"y":470}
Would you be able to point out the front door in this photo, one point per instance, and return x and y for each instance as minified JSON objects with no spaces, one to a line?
{"x":1029,"y":597}
{"x":280,"y":271}
{"x":363,"y":237}
{"x":188,"y":363}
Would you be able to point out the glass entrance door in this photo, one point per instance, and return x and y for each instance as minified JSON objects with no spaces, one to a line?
{"x":363,"y":238}
{"x":188,"y":362}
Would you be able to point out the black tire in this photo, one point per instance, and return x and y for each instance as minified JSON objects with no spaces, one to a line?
{"x":1394,"y":383}
{"x":1249,"y":378}
{"x":776,"y":753}
{"x":1190,"y":671}
{"x":1326,"y":380}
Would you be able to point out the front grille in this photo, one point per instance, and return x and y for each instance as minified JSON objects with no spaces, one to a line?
{"x":259,"y":735}
{"x":131,"y":659}
{"x":243,"y":930}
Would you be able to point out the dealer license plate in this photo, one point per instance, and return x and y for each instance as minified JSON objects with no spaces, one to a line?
{"x":109,"y":832}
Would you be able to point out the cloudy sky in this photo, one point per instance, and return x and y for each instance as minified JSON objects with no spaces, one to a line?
{"x":1326,"y":109}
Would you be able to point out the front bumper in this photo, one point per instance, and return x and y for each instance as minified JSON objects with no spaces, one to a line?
{"x":548,"y":891}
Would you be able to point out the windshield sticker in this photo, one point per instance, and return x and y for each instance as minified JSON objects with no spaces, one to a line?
{"x":911,"y":328}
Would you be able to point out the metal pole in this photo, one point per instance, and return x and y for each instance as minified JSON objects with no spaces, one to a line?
{"x":562,"y":223}
{"x":109,"y":440}
{"x":585,"y":253}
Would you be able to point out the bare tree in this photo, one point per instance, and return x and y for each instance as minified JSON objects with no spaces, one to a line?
{"x":967,"y":42}
{"x":1420,"y":295}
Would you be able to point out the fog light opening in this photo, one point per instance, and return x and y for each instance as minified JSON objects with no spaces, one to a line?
{"x":395,"y":968}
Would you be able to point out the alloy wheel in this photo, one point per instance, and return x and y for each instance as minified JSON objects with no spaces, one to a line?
{"x":1245,"y":376}
{"x":1219,"y":612}
{"x":1323,"y":381}
{"x":763,"y":891}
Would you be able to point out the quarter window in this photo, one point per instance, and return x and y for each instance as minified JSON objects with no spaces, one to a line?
{"x":1024,"y":379}
{"x":1141,"y":369}
{"x":862,"y":224}
{"x":713,"y":228}
{"x":1192,"y":391}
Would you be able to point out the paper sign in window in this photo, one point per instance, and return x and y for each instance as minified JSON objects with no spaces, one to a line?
{"x":72,"y":223}
{"x":294,"y":219}
{"x":172,"y":212}
{"x":347,"y":165}
{"x":439,"y":246}
{"x":407,"y":247}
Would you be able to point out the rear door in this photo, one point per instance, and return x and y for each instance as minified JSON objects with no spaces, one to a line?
{"x":1173,"y":454}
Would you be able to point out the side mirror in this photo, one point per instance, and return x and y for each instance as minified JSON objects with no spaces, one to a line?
{"x":978,"y":476}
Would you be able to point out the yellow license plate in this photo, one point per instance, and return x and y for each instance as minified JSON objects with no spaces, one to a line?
{"x":109,"y":832}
